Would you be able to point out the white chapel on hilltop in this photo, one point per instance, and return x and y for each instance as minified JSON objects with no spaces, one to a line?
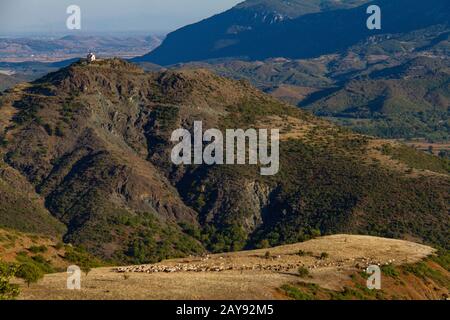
{"x":91,"y":57}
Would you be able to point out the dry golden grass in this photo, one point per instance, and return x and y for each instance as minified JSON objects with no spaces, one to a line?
{"x":292,"y":94}
{"x":345,"y":252}
{"x":290,"y":127}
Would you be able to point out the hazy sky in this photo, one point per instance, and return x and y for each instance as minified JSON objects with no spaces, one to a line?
{"x":49,"y":16}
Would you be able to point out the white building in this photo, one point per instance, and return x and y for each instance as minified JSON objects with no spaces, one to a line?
{"x":91,"y":57}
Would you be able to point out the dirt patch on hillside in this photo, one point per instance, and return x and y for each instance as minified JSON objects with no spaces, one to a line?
{"x":14,"y":243}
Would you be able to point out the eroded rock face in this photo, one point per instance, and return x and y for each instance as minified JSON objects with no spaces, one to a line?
{"x":87,"y":155}
{"x":256,"y":196}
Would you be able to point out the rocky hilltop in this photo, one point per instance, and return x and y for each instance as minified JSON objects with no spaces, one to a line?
{"x":91,"y":143}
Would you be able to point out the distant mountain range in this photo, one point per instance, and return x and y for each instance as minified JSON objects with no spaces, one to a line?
{"x":262,"y":29}
{"x":392,"y":82}
{"x":54,"y":49}
{"x":392,"y":86}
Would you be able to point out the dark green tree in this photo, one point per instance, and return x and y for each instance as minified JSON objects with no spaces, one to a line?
{"x":30,"y":273}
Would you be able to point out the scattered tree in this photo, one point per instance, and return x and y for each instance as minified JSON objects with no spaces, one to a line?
{"x":30,"y":273}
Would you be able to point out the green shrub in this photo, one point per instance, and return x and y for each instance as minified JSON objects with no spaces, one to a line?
{"x":59,"y":131}
{"x":423,"y":271}
{"x":82,"y":259}
{"x":301,"y":253}
{"x":324,"y":255}
{"x":442,"y":258}
{"x":191,"y":230}
{"x":59,"y":246}
{"x":303,"y":272}
{"x":315,"y":233}
{"x":264,"y":244}
{"x":38,"y":260}
{"x":30,"y":273}
{"x":38,"y":249}
{"x":8,"y":291}
{"x":48,"y":128}
{"x":296,"y":294}
{"x":390,"y":271}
